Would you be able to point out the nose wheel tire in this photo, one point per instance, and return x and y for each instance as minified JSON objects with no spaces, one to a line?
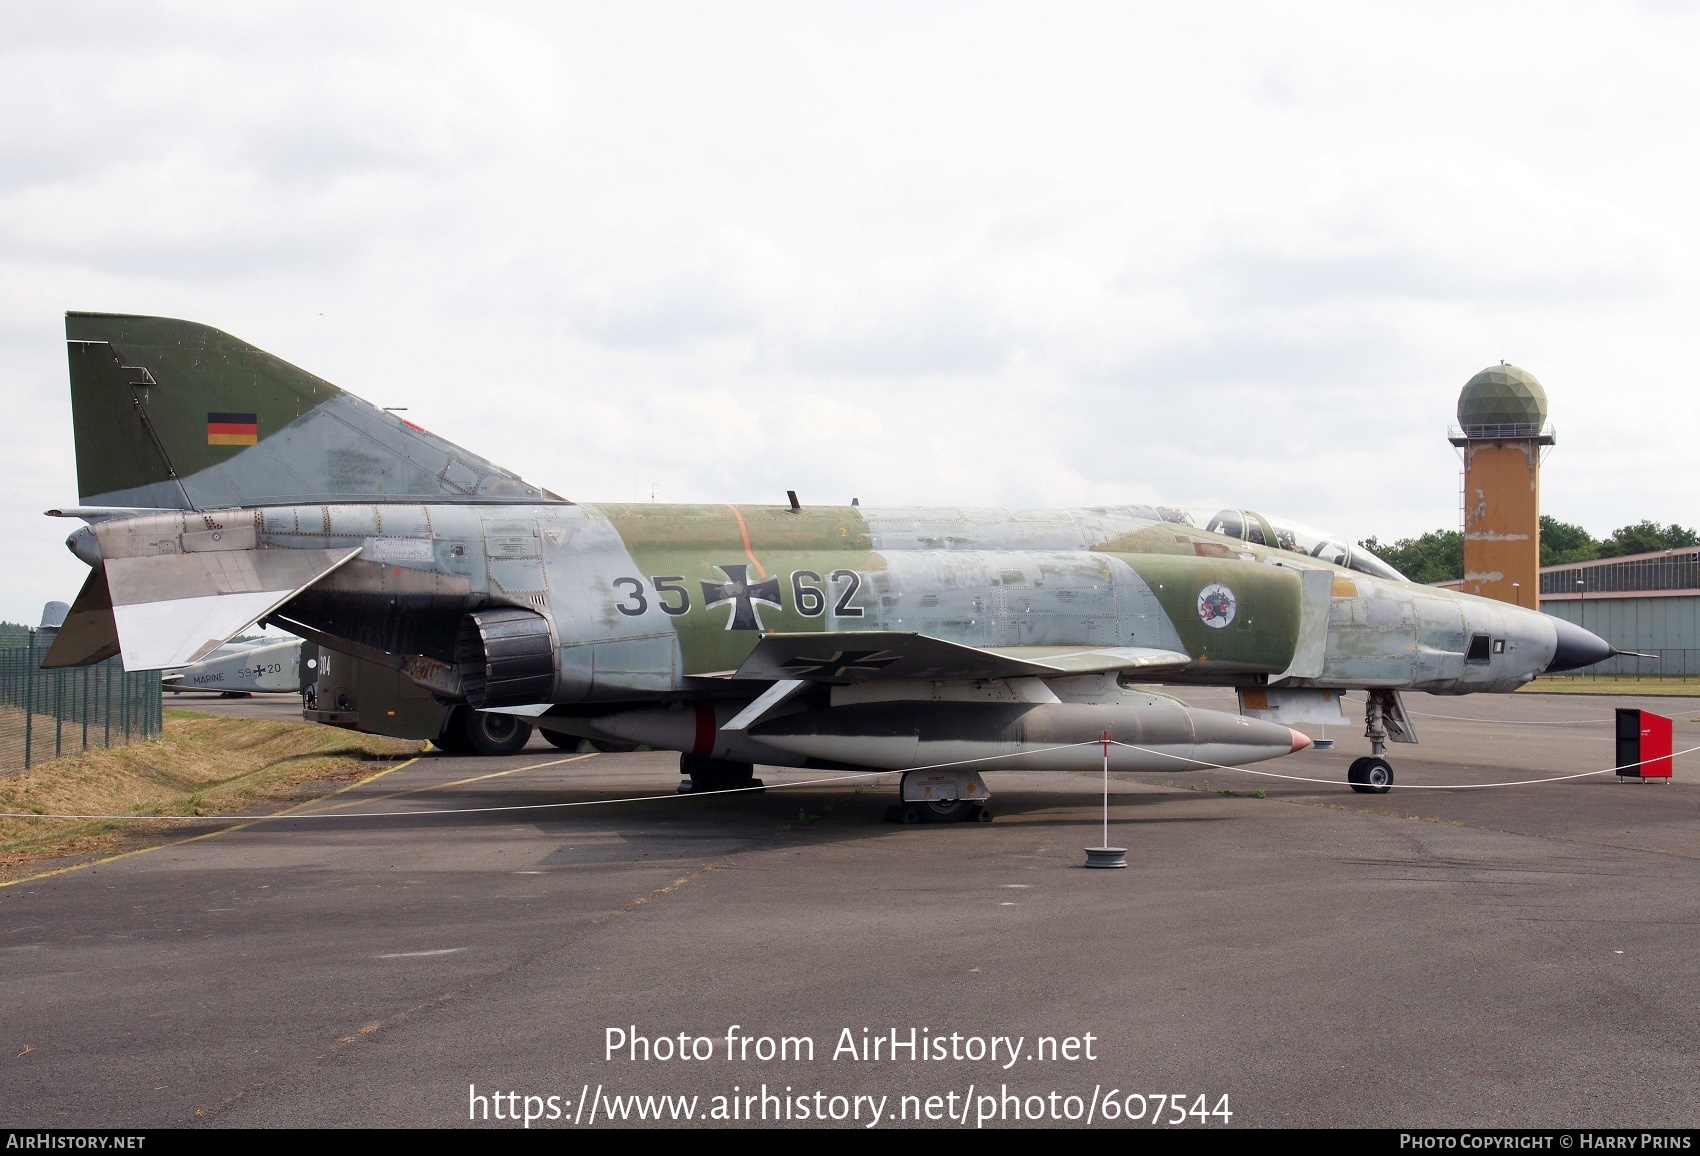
{"x":1370,"y":776}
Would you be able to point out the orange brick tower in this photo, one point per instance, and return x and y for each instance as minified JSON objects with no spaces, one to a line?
{"x":1502,"y":419}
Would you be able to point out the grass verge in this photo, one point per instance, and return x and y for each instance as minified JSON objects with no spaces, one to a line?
{"x":1615,"y":684}
{"x":200,"y":765}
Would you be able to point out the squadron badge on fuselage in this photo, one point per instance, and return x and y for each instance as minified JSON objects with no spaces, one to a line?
{"x":1216,"y":604}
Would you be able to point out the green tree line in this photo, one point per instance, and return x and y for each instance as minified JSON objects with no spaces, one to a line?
{"x":1438,"y":556}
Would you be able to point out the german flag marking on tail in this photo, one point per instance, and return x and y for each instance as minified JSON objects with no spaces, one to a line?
{"x":233,"y":429}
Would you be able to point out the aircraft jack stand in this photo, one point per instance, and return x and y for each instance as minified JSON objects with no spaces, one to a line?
{"x":1372,"y":775}
{"x":704,"y":775}
{"x":941,"y":797}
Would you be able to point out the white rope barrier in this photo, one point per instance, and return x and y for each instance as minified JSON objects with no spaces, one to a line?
{"x":546,"y":806}
{"x":1514,"y":722}
{"x":1410,"y":786}
{"x":858,"y":775}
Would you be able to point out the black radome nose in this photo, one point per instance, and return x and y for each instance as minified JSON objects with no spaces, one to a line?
{"x":1576,"y":647}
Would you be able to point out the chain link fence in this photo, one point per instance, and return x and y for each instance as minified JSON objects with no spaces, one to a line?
{"x":48,"y":714}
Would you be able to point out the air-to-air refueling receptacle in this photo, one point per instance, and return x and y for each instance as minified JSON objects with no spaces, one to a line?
{"x":222,"y":486}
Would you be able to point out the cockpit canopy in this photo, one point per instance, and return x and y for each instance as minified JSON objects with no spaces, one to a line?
{"x":1282,"y":534}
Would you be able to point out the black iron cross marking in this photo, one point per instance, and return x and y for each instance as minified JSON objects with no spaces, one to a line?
{"x":843,"y":663}
{"x":738,"y":590}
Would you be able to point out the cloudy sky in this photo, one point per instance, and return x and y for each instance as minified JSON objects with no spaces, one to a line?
{"x":1033,"y":254}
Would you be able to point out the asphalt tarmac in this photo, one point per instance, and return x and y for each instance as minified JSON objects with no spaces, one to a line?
{"x":269,"y":706}
{"x":416,"y":949}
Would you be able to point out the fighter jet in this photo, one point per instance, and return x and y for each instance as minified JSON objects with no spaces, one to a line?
{"x":222,"y":486}
{"x":239,"y":669}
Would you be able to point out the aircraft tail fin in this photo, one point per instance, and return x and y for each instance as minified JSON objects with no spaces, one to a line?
{"x":175,"y":415}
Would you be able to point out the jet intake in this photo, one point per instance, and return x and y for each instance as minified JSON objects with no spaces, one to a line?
{"x":505,"y":657}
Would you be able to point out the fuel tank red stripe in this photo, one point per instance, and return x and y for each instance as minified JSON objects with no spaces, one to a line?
{"x":703,"y":744}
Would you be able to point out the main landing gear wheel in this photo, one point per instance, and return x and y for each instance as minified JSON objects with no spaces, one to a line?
{"x":450,"y":741}
{"x":575,"y":744}
{"x":1370,"y":776}
{"x":472,"y":732}
{"x":560,"y":741}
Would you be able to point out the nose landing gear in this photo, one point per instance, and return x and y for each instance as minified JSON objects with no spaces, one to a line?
{"x":1374,"y":775}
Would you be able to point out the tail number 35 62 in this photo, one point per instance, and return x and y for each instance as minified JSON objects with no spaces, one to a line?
{"x":810,"y":594}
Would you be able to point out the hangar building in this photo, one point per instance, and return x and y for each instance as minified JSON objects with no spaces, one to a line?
{"x":1644,"y":602}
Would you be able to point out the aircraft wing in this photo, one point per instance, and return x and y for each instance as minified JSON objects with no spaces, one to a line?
{"x":863,"y":656}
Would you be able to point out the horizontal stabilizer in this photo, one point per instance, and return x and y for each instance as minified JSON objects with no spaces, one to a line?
{"x":88,"y":634}
{"x":887,"y":655}
{"x":175,"y":609}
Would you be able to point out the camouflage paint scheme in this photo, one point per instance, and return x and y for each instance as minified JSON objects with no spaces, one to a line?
{"x":665,"y":603}
{"x":630,"y":589}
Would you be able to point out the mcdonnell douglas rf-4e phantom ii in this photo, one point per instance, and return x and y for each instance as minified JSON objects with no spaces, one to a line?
{"x":222,"y":486}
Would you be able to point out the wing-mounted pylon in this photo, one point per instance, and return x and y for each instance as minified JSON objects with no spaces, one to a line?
{"x":846,"y":657}
{"x":791,"y":662}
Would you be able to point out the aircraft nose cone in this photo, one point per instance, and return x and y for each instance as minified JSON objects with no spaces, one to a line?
{"x":1300,"y":741}
{"x":1576,"y":647}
